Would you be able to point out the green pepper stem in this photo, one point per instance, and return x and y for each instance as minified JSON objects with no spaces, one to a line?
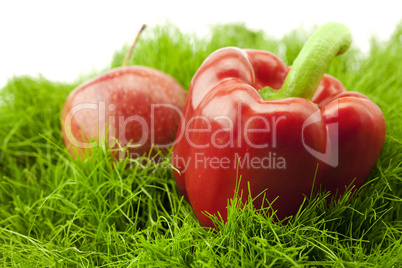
{"x":328,"y":41}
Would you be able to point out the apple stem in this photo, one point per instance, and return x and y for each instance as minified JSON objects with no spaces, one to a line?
{"x":130,"y":51}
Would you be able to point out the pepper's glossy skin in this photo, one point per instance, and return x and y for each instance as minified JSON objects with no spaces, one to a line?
{"x":227,"y":125}
{"x":359,"y":127}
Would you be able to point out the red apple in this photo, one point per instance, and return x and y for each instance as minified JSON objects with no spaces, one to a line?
{"x":131,"y":107}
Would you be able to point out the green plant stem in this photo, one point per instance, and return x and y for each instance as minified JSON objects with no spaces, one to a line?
{"x":328,"y":41}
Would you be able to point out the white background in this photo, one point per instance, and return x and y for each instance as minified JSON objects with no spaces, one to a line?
{"x":62,"y":40}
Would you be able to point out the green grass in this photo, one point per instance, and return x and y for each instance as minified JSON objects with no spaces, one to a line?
{"x":58,"y":212}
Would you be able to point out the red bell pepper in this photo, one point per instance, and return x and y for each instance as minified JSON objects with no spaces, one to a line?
{"x":283,"y":130}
